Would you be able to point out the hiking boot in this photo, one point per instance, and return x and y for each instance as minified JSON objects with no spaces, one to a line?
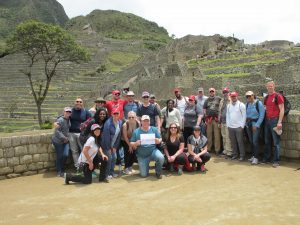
{"x":228,"y":156}
{"x":180,"y":171}
{"x":254,"y":161}
{"x":158,"y":176}
{"x":275,"y":164}
{"x":131,"y":170}
{"x":233,"y":157}
{"x":251,"y":159}
{"x":127,"y":171}
{"x":202,"y":168}
{"x":67,"y":178}
{"x":115,"y":175}
{"x":241,"y":159}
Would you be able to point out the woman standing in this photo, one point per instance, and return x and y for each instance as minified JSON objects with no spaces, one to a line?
{"x":171,"y":115}
{"x":88,"y":158}
{"x":60,"y":140}
{"x":110,"y":141}
{"x":174,"y":149}
{"x":191,"y":118}
{"x":197,"y":149}
{"x":127,"y":130}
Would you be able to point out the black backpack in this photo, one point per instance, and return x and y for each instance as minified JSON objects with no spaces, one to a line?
{"x":287,"y":104}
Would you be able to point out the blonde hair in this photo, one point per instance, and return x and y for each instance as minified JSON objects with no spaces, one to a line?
{"x":168,"y":135}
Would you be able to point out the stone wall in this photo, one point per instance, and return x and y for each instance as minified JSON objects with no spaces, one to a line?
{"x":26,"y":155}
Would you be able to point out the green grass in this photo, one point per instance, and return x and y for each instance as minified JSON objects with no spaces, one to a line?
{"x":116,"y":61}
{"x":228,"y":75}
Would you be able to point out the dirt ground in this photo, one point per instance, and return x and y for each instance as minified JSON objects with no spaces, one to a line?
{"x":229,"y":193}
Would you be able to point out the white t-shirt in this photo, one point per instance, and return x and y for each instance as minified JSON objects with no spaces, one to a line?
{"x":181,"y":104}
{"x":92,"y":152}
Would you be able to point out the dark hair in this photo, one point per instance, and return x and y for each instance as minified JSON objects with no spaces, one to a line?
{"x":97,"y":117}
{"x":168,"y":135}
{"x":167,"y":111}
{"x":97,"y":139}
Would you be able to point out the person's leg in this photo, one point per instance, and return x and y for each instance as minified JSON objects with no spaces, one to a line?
{"x":144,"y":166}
{"x":217,"y":136}
{"x":180,"y":159}
{"x":186,"y":133}
{"x":233,"y":142}
{"x":126,"y":154}
{"x":74,"y":148}
{"x":103,"y":169}
{"x":276,"y":141}
{"x":255,"y":140}
{"x":250,"y":136}
{"x":268,"y":143}
{"x":108,"y":165}
{"x":209,"y":136}
{"x":227,"y":145}
{"x":65,"y":155}
{"x":113,"y":163}
{"x":205,"y":158}
{"x":85,"y":179}
{"x":240,"y":141}
{"x":59,"y":148}
{"x":158,"y":157}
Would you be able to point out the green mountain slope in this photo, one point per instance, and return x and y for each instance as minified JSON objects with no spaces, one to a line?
{"x":118,"y":25}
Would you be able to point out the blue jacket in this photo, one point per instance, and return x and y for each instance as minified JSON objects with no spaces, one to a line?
{"x":108,"y":134}
{"x":251,"y":113}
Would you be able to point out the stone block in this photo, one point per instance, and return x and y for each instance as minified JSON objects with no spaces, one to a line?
{"x":36,"y":158}
{"x":20,"y":150}
{"x":293,"y":118}
{"x":3,"y":162}
{"x":16,"y":141}
{"x":26,"y":159}
{"x":35,"y":166}
{"x":24,"y":140}
{"x":14,"y":161}
{"x":291,"y":127}
{"x":2,"y":177}
{"x":34,"y":139}
{"x":6,"y":142}
{"x":13,"y":175}
{"x":32,"y":149}
{"x":292,"y":154}
{"x":20,"y":168}
{"x":1,"y":153}
{"x":51,"y":148}
{"x":52,"y":157}
{"x":42,"y":148}
{"x":298,"y":127}
{"x":49,"y":164}
{"x":46,"y":138}
{"x":9,"y":152}
{"x":6,"y":170}
{"x":44,"y":157}
{"x":29,"y":173}
{"x":43,"y":171}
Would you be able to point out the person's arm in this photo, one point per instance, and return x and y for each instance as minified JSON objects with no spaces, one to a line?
{"x":180,"y":150}
{"x":124,"y":134}
{"x":190,"y":150}
{"x":179,"y":118}
{"x":134,"y":141}
{"x":166,"y":152}
{"x":104,"y":157}
{"x":157,"y":120}
{"x":243,"y":108}
{"x":118,"y":140}
{"x":281,"y":115}
{"x":157,"y":137}
{"x":105,"y":139}
{"x":262,"y":112}
{"x":88,"y":158}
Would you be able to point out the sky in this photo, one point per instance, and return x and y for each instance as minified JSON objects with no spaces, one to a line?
{"x":254,"y":21}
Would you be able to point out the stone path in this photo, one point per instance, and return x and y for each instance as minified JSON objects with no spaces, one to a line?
{"x":229,"y":193}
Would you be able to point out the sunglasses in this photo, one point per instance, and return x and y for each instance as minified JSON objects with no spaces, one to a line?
{"x":130,"y":95}
{"x":191,"y":100}
{"x":117,"y":94}
{"x":146,"y":97}
{"x":248,"y":96}
{"x":115,"y":113}
{"x":131,"y":117}
{"x":211,"y":91}
{"x":173,"y":127}
{"x":68,"y":111}
{"x":78,"y":101}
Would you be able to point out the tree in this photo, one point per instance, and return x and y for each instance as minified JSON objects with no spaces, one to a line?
{"x":46,"y":44}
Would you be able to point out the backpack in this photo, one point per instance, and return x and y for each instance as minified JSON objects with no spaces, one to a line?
{"x":85,"y":124}
{"x":287,"y":104}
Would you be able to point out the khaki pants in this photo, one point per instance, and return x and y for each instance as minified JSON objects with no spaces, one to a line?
{"x":213,"y":133}
{"x":226,"y":140}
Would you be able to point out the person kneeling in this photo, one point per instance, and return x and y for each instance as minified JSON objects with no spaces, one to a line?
{"x":88,"y":159}
{"x":144,"y":141}
{"x":197,"y":149}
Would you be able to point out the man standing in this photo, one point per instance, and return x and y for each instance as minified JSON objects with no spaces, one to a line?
{"x":255,"y":114}
{"x":201,"y":98}
{"x":274,"y":104}
{"x":222,"y":123}
{"x":235,"y":121}
{"x":131,"y":104}
{"x":78,"y":116}
{"x":144,"y":141}
{"x":117,"y":103}
{"x":211,"y":112}
{"x":149,"y":109}
{"x":180,"y":101}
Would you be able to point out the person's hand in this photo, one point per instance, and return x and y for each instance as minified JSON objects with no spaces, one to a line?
{"x":66,"y":140}
{"x":138,"y":143}
{"x":56,"y":125}
{"x":172,"y":158}
{"x":169,"y":158}
{"x":219,"y":125}
{"x":104,"y":157}
{"x":279,"y":126}
{"x":157,"y":141}
{"x":130,"y":150}
{"x":91,"y":165}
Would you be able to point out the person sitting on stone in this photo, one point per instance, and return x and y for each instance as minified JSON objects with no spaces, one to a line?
{"x":89,"y":159}
{"x":197,"y":150}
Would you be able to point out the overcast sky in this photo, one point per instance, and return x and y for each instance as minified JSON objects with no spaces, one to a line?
{"x":254,"y":21}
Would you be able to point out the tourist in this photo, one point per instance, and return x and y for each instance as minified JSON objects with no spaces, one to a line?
{"x":127,"y":129}
{"x":117,"y":103}
{"x":197,"y":150}
{"x":99,"y":103}
{"x":131,"y":104}
{"x":171,"y":115}
{"x":191,"y":118}
{"x":60,"y":140}
{"x":227,"y":151}
{"x":152,"y":100}
{"x":180,"y":102}
{"x":173,"y":149}
{"x":235,"y":121}
{"x":211,"y":112}
{"x":144,"y":141}
{"x":89,"y":159}
{"x":110,"y":141}
{"x":200,"y":99}
{"x":255,"y":114}
{"x":274,"y":104}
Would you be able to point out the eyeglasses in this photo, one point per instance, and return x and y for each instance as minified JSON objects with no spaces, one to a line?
{"x":146,"y":97}
{"x":78,"y":101}
{"x":248,"y":96}
{"x":173,"y":127}
{"x":131,"y":117}
{"x":130,"y":95}
{"x":68,"y":111}
{"x":117,"y":94}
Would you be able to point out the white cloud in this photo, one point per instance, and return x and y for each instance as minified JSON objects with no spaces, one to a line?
{"x":254,"y":21}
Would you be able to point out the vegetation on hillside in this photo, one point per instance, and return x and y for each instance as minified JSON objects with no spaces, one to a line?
{"x":119,"y":25}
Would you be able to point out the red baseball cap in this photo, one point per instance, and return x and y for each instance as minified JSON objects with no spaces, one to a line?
{"x":115,"y":110}
{"x":177,"y":90}
{"x":233,"y":94}
{"x":192,"y":97}
{"x":226,"y":90}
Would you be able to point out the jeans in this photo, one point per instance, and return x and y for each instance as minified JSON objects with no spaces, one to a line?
{"x":75,"y":146}
{"x":253,"y":139}
{"x":112,"y":163}
{"x":236,"y":136}
{"x":144,"y":162}
{"x":62,"y":153}
{"x":271,"y":134}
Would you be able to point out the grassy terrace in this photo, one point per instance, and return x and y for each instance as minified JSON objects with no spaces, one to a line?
{"x":228,"y":75}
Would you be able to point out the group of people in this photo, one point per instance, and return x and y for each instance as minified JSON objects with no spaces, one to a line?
{"x":178,"y":137}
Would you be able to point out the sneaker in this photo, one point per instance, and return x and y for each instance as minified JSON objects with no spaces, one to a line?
{"x":254,"y":161}
{"x":105,"y":180}
{"x":131,"y":170}
{"x":233,"y":157}
{"x":265,"y":161}
{"x":275,"y":164}
{"x":158,"y":176}
{"x":228,"y":156}
{"x":127,"y":171}
{"x":115,"y":175}
{"x":172,"y":168}
{"x":202,"y":168}
{"x":67,"y":179}
{"x":241,"y":159}
{"x":109,"y":177}
{"x":180,"y":171}
{"x":251,"y":159}
{"x":94,"y":174}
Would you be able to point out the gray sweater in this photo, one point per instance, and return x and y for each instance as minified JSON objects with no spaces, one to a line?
{"x":62,"y":132}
